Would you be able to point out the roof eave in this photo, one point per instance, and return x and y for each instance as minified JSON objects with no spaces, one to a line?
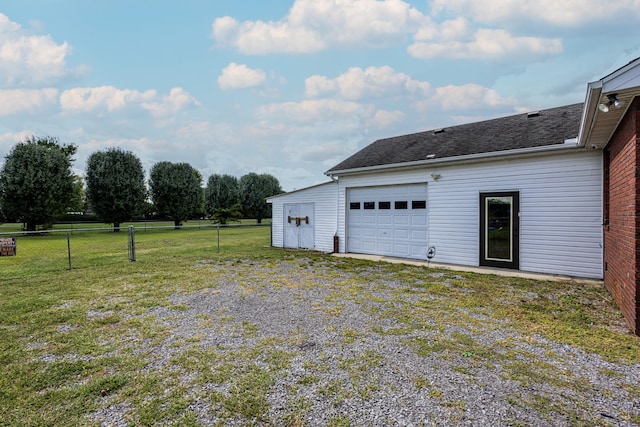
{"x":469,"y":158}
{"x":276,"y":196}
{"x":594,"y":91}
{"x":597,"y":128}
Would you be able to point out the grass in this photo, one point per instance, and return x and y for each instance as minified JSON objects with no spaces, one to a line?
{"x":77,"y":343}
{"x":55,"y":250}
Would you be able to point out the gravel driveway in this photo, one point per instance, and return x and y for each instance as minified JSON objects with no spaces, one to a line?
{"x":372,"y":345}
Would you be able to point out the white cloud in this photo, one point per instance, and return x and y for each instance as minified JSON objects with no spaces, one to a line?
{"x":27,"y":59}
{"x":467,"y":97}
{"x":259,"y":37}
{"x":372,"y":82}
{"x":486,"y":43}
{"x":8,"y":140}
{"x":315,"y":152}
{"x":554,"y":12}
{"x":315,"y":25}
{"x":386,"y":119}
{"x":239,"y":76}
{"x":26,"y":100}
{"x":109,"y":98}
{"x":314,"y":111}
{"x":7,"y":26}
{"x":177,"y":100}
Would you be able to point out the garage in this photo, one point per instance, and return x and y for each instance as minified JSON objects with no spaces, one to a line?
{"x":388,"y":220}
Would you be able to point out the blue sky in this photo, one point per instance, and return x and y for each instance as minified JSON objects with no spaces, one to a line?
{"x":292,"y":87}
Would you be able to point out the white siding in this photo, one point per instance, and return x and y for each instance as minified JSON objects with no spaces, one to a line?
{"x":324,"y":198}
{"x":560,"y":209}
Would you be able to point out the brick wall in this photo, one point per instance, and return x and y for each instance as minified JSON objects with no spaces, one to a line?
{"x":622,"y":216}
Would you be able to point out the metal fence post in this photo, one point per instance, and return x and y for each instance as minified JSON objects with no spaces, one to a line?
{"x":218,"y":237}
{"x":69,"y":248}
{"x":132,"y":244}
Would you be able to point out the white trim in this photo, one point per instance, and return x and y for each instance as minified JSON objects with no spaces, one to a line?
{"x":594,"y":92}
{"x":271,"y":198}
{"x":617,"y":81}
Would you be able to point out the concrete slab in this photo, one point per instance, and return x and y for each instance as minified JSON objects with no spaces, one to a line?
{"x":469,"y":269}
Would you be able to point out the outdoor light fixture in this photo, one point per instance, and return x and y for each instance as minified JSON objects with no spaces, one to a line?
{"x":613,"y":100}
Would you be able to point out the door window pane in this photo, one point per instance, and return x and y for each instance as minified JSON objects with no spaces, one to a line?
{"x":499,"y":221}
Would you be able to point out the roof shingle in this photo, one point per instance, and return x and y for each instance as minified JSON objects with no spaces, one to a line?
{"x":549,"y":127}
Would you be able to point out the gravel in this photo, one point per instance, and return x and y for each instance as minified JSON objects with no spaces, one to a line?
{"x":350,"y":362}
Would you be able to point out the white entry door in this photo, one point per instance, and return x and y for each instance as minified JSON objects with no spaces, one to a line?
{"x":388,"y":220}
{"x":298,"y":225}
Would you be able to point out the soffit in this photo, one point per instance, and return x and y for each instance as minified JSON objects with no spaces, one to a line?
{"x":625,"y":84}
{"x":605,"y":124}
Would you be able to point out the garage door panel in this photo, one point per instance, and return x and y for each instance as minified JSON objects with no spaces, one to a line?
{"x":401,"y":220}
{"x":369,"y":246}
{"x":384,"y":248}
{"x":401,"y":190}
{"x":369,"y":219}
{"x":394,"y":223}
{"x":368,"y":233}
{"x":355,"y":232}
{"x":418,"y":235}
{"x":419,"y":220}
{"x":418,"y":251}
{"x":401,"y":233}
{"x":400,"y":249}
{"x":385,"y":220}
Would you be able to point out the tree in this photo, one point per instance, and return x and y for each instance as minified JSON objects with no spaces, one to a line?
{"x":36,"y":183}
{"x":115,"y":185}
{"x":77,"y":201}
{"x":254,"y":190}
{"x":176,"y":190}
{"x":222,"y":192}
{"x":226,"y":215}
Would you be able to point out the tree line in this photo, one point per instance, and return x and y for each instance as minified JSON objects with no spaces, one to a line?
{"x":37,"y":187}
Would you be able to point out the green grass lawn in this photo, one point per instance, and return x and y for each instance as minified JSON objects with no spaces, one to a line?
{"x":96,"y":245}
{"x":39,"y":385}
{"x":68,"y":337}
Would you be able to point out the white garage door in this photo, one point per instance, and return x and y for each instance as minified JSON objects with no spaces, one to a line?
{"x":388,"y":220}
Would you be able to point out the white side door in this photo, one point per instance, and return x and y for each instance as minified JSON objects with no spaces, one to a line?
{"x":299,"y":225}
{"x":305,"y":229}
{"x":290,"y":229}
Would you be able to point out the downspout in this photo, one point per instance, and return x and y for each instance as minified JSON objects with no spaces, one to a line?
{"x":336,"y":238}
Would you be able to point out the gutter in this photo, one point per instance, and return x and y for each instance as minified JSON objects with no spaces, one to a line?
{"x":569,"y":145}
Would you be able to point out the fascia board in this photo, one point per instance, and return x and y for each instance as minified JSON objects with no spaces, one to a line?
{"x":594,"y":90}
{"x":470,"y":158}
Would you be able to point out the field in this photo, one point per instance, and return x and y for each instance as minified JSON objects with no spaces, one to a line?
{"x":254,"y":335}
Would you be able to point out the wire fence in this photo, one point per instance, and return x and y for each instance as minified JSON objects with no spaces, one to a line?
{"x":32,"y":253}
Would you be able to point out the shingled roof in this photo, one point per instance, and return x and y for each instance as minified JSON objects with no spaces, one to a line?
{"x":542,"y":128}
